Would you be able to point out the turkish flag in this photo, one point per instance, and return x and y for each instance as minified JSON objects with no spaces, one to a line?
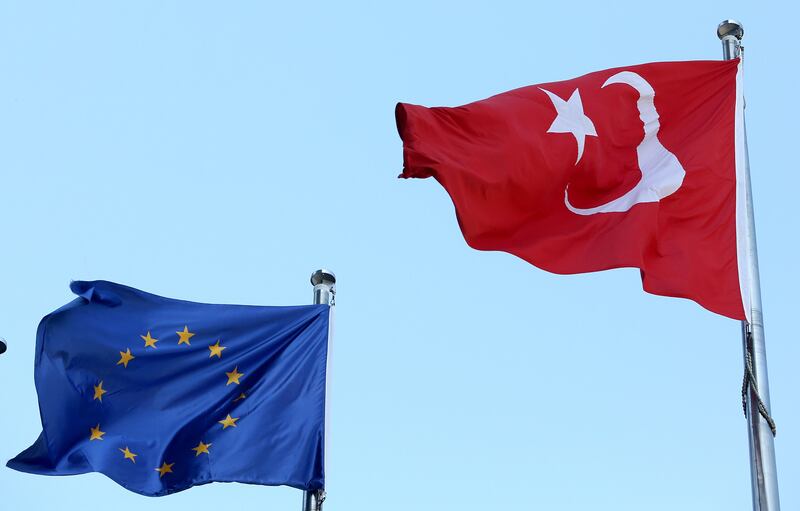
{"x":640,"y":166}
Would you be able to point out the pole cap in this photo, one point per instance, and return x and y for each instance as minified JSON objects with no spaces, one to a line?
{"x":3,"y":346}
{"x":323,"y":276}
{"x":730,"y":28}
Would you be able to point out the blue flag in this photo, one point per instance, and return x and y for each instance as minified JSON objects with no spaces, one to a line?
{"x":161,"y":395}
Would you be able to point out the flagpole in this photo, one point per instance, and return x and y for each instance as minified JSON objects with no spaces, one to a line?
{"x":324,"y":282}
{"x":763,"y":470}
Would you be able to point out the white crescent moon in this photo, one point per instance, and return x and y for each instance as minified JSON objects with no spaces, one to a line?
{"x":662,"y":173}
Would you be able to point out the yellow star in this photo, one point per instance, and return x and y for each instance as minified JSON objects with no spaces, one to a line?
{"x":128,"y":454}
{"x":185,"y":336}
{"x":201,"y":448}
{"x":99,"y":391}
{"x":241,"y":396}
{"x":233,"y":376}
{"x":96,"y":433}
{"x":166,"y":468}
{"x":126,"y":357}
{"x":149,"y":342}
{"x":228,"y":421}
{"x":216,"y":350}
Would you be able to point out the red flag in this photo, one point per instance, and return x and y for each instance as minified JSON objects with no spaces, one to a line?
{"x":639,"y":166}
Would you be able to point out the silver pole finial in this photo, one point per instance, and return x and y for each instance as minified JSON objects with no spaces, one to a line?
{"x":324,"y":282}
{"x":730,"y":32}
{"x":730,"y":28}
{"x":3,"y":346}
{"x":323,"y":276}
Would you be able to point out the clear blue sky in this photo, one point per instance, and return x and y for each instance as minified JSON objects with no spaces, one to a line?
{"x":221,"y":152}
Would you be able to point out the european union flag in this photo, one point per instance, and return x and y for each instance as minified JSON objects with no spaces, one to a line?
{"x":161,"y":395}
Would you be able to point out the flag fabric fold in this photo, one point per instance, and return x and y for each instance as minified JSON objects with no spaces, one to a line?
{"x":627,"y":167}
{"x":161,"y":395}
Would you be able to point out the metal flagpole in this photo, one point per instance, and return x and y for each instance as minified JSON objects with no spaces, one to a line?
{"x":764,"y":475}
{"x":324,"y":283}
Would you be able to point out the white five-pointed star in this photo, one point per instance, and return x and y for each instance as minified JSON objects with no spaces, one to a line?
{"x":571,"y":119}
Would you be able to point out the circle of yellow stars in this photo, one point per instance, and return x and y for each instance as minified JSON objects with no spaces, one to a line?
{"x":126,"y":357}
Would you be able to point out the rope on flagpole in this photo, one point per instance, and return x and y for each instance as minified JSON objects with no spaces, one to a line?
{"x":321,"y":495}
{"x":749,"y":381}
